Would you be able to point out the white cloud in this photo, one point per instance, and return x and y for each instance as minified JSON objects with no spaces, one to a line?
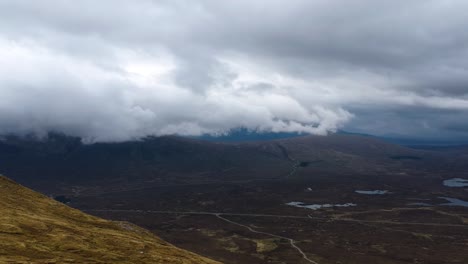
{"x":118,"y":70}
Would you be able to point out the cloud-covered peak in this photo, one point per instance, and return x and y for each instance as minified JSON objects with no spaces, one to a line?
{"x":119,"y":70}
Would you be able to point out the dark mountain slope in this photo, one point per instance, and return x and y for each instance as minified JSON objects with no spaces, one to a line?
{"x":61,"y":163}
{"x":163,"y":160}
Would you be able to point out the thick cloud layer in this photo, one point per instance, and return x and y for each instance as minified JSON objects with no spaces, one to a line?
{"x":119,"y":70}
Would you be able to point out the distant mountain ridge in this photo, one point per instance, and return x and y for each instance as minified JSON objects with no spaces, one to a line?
{"x":245,"y":135}
{"x":65,"y":163}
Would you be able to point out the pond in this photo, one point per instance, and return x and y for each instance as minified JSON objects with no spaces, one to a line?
{"x":419,"y":204}
{"x":374,"y":192}
{"x":454,"y":202}
{"x":318,"y":206}
{"x":456,"y":182}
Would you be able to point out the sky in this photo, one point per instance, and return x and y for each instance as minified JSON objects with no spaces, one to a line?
{"x":116,"y":70}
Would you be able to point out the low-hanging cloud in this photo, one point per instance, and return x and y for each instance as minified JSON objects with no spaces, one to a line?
{"x":119,"y":70}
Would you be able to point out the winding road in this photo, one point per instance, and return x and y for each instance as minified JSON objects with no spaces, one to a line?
{"x":291,"y":241}
{"x":315,"y":218}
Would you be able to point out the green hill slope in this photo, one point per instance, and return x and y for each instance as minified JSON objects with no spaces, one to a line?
{"x":37,"y":229}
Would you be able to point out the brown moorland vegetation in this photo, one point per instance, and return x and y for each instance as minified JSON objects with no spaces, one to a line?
{"x":37,"y":229}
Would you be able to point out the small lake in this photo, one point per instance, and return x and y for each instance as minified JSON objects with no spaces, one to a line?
{"x":454,"y":202}
{"x":419,"y":204}
{"x":456,"y":182}
{"x":451,"y":202}
{"x":318,"y":206}
{"x":374,"y":192}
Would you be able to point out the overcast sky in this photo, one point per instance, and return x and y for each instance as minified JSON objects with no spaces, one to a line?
{"x":113,"y":70}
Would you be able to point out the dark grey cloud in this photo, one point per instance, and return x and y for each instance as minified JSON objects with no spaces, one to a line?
{"x":115,"y":70}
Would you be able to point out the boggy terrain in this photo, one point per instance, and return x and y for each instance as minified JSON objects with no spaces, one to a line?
{"x":335,"y":199}
{"x":252,"y":223}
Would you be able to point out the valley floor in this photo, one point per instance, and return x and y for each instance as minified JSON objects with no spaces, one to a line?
{"x":252,"y":223}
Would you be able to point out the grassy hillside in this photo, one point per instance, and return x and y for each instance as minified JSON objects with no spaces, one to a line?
{"x":36,"y":229}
